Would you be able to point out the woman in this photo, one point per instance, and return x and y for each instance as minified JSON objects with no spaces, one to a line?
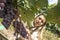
{"x":39,"y":26}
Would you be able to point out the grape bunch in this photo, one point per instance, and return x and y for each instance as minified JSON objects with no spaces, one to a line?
{"x":8,"y":14}
{"x":20,"y":29}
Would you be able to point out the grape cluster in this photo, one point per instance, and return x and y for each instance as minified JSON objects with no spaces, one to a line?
{"x":7,"y":12}
{"x":19,"y":28}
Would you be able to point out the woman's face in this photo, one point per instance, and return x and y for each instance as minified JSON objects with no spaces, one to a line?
{"x":40,"y":20}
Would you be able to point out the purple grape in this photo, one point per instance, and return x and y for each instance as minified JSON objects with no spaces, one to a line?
{"x":9,"y":14}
